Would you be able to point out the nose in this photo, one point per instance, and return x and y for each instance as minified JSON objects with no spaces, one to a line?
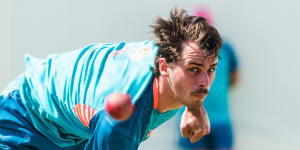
{"x":203,"y":79}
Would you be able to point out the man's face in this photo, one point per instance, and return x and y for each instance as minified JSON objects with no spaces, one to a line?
{"x":191,"y":77}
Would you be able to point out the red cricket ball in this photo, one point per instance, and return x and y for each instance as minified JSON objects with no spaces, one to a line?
{"x":119,"y":106}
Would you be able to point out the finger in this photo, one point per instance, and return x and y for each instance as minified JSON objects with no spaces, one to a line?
{"x":195,"y":136}
{"x":185,"y":132}
{"x":207,"y":131}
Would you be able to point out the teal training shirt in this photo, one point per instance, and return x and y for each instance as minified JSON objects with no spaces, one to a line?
{"x":64,"y":91}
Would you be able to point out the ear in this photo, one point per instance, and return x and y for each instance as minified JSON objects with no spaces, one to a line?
{"x":163,"y":67}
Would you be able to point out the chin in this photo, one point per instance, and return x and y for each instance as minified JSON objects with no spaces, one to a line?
{"x":194,"y":105}
{"x":199,"y":102}
{"x":198,"y":105}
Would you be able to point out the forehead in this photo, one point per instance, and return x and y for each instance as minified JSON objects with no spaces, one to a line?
{"x":192,"y":53}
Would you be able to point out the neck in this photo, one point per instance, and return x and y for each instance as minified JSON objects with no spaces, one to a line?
{"x":166,"y":98}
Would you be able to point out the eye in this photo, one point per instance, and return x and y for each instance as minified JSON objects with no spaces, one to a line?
{"x":194,"y":70}
{"x":210,"y":70}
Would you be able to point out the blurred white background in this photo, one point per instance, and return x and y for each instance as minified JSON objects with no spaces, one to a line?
{"x":265,"y":33}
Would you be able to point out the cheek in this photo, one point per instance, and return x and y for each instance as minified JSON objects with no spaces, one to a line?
{"x":212,"y":78}
{"x":181,"y":81}
{"x":179,"y":74}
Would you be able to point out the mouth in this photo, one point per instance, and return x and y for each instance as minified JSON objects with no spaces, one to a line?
{"x":200,"y":96}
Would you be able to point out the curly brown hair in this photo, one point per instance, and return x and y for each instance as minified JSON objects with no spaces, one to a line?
{"x":171,"y":33}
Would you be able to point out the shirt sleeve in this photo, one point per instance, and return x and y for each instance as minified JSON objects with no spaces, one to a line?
{"x":109,"y":134}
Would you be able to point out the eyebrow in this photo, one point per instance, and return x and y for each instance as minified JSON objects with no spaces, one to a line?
{"x":201,"y":65}
{"x":214,"y":65}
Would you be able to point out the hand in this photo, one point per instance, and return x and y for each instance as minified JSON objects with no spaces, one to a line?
{"x":194,"y":124}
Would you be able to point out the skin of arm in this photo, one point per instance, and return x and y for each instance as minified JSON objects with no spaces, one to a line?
{"x":194,"y":124}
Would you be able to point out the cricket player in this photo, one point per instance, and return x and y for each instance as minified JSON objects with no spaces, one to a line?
{"x":59,"y":101}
